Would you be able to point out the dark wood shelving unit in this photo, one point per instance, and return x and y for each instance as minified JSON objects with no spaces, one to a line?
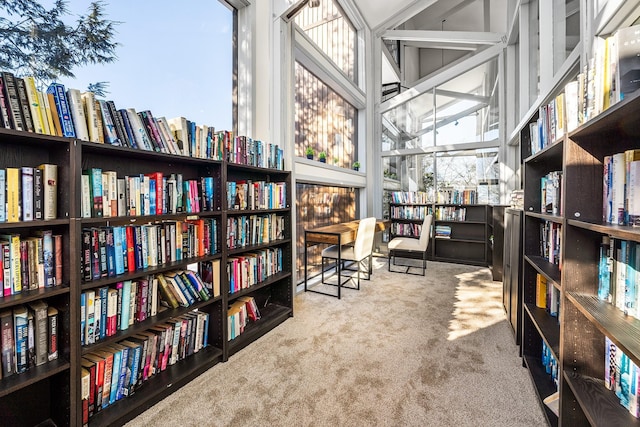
{"x":543,"y":386}
{"x":585,"y":321}
{"x":56,"y":385}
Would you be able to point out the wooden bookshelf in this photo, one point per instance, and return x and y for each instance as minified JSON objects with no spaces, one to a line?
{"x":57,"y":384}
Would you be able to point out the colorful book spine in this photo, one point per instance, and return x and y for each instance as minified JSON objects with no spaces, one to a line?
{"x":62,"y":108}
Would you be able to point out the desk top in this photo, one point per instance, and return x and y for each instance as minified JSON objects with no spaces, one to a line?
{"x":344,"y":232}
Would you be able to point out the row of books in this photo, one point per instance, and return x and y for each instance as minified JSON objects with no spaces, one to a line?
{"x":108,"y":251}
{"x":407,"y":230}
{"x":252,"y":268}
{"x":550,"y":242}
{"x":622,"y":376}
{"x":443,"y":232}
{"x":618,"y":276}
{"x":29,"y":193}
{"x":551,"y":193}
{"x":410,"y":212}
{"x":108,"y":309}
{"x":244,"y":150}
{"x":71,"y":113}
{"x":239,"y":314}
{"x":550,"y":364}
{"x":28,"y":337}
{"x":410,"y":197}
{"x":608,"y":76}
{"x":466,"y":196}
{"x":450,"y":213}
{"x":249,"y":230}
{"x":30,"y":263}
{"x":547,"y":296}
{"x":117,"y":370}
{"x":550,"y":125}
{"x":621,"y":188}
{"x":104,"y":194}
{"x":247,"y":194}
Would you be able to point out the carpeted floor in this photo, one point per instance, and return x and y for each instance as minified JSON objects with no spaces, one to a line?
{"x":403,"y":351}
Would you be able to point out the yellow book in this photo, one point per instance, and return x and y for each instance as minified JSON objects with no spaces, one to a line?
{"x":34,"y":104}
{"x":541,"y":291}
{"x":46,"y":113}
{"x":13,"y":194}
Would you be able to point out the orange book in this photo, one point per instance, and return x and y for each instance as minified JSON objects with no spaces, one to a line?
{"x":541,"y":291}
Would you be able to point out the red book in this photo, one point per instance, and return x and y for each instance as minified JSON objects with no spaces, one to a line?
{"x":57,"y":250}
{"x":131,"y":254}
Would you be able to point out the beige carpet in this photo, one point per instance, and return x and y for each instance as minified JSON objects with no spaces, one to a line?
{"x":402,"y":351}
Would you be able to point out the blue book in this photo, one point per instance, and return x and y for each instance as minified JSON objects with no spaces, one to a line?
{"x":630,"y":280}
{"x":119,"y":248}
{"x":95,"y":178}
{"x":111,"y":251}
{"x":124,"y":117}
{"x":205,"y":338}
{"x":104,"y":295}
{"x":21,"y":325}
{"x":115,"y":374}
{"x":183,"y":289}
{"x":132,"y":366}
{"x":126,"y":302}
{"x":208,"y":193}
{"x":152,"y":197}
{"x":62,"y":107}
{"x":124,"y":365}
{"x":83,"y":317}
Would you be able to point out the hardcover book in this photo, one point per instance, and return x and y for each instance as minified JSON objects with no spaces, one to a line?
{"x":78,"y":115}
{"x":62,"y":108}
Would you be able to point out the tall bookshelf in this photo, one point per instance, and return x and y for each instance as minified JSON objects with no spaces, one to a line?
{"x":576,"y":336}
{"x":56,"y":385}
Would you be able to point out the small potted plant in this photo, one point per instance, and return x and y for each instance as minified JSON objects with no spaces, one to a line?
{"x":356,"y":165}
{"x":309,"y":153}
{"x":322,"y":157}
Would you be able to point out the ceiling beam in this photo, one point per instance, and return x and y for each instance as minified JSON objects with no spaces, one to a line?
{"x":462,"y":95}
{"x":440,"y":46}
{"x":404,"y":14}
{"x":465,"y":37}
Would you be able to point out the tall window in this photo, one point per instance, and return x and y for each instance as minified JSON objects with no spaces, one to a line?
{"x":327,"y":26}
{"x":324,"y":120}
{"x":318,"y":205}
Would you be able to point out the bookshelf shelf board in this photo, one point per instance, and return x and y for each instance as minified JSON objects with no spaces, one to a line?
{"x":600,"y":406}
{"x":33,"y":224}
{"x":547,"y":327}
{"x":233,"y":212}
{"x":271,"y":316}
{"x":240,"y":167}
{"x":624,"y":330}
{"x":116,"y":151}
{"x":270,"y":280}
{"x":26,"y":297}
{"x":19,"y":381}
{"x":549,"y":157}
{"x":543,"y":385}
{"x":411,"y":204}
{"x":545,"y":216}
{"x":158,"y":387}
{"x":146,"y":219}
{"x":452,"y":221}
{"x":138,"y":327}
{"x":625,"y":232}
{"x":619,"y":119}
{"x":461,"y":205}
{"x":468,"y":261}
{"x":408,"y":220}
{"x":549,"y":270}
{"x":175,"y":265}
{"x":250,"y":248}
{"x":447,"y":239}
{"x":30,"y":138}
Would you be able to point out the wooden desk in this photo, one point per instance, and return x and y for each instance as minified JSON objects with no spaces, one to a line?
{"x":334,"y":234}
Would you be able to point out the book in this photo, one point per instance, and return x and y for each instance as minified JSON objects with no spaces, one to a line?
{"x":76,"y":108}
{"x":99,"y":363}
{"x":40,"y":310}
{"x":95,"y":178}
{"x":7,"y":343}
{"x":52,"y":327}
{"x":26,"y":190}
{"x":57,"y":90}
{"x":34,"y":106}
{"x":21,"y":336}
{"x":49,"y":190}
{"x":91,"y":116}
{"x":13,"y":194}
{"x":13,"y":101}
{"x":24,"y":105}
{"x":55,"y":127}
{"x":85,"y":392}
{"x":91,"y":368}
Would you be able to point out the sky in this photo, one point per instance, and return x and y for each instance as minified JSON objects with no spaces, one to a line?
{"x":174,"y":59}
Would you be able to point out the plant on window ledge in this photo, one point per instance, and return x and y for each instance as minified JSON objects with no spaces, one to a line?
{"x":310,"y":153}
{"x":356,"y":165}
{"x":322,"y":157}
